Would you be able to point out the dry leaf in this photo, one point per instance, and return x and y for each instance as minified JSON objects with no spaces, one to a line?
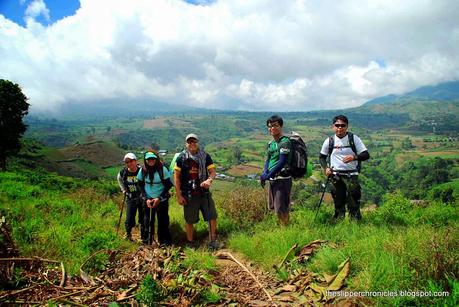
{"x":338,"y":280}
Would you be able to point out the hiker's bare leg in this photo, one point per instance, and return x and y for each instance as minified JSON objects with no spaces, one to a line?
{"x":189,"y":231}
{"x":213,"y":229}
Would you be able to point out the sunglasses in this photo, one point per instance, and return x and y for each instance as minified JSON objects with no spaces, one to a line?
{"x":340,"y":125}
{"x":192,"y":141}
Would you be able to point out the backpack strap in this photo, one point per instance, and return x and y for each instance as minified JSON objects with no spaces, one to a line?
{"x":351,"y":142}
{"x":331,"y":144}
{"x":354,"y":149}
{"x":123,"y":174}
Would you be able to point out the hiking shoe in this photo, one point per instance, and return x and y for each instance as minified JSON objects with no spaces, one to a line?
{"x":213,"y":245}
{"x":191,"y":244}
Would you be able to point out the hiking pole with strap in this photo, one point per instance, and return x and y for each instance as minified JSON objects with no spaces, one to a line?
{"x":321,"y":198}
{"x":121,"y":214}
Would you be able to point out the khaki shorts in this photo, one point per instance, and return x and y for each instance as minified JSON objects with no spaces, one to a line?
{"x":203,"y":203}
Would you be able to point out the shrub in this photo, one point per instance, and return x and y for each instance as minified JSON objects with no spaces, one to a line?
{"x":395,"y":210}
{"x":150,"y":293}
{"x":245,"y":206}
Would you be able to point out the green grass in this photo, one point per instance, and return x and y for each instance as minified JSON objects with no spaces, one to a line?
{"x":401,"y":246}
{"x":59,"y":218}
{"x":384,"y":256}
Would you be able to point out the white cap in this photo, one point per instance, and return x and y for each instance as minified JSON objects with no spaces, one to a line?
{"x":130,"y":156}
{"x":191,"y":136}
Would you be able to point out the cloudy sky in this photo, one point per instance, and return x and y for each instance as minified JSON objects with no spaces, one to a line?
{"x":274,"y":55}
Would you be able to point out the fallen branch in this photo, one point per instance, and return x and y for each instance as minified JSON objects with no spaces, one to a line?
{"x":17,"y":291}
{"x":41,"y":260}
{"x":30,"y":259}
{"x":63,"y":275}
{"x":228,"y":255}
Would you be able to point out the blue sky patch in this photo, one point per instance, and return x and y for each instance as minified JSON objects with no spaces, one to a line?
{"x":15,"y":10}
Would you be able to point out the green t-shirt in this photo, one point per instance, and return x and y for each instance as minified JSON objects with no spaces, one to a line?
{"x":277,"y":148}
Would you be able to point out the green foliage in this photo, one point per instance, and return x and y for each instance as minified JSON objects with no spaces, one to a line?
{"x":394,"y":210}
{"x":417,"y":177}
{"x":66,"y":224}
{"x":445,"y":193}
{"x":212,"y":295}
{"x":13,"y":107}
{"x":199,"y":260}
{"x":150,"y":292}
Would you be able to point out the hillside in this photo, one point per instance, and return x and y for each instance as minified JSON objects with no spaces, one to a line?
{"x":86,"y":160}
{"x":447,"y":91}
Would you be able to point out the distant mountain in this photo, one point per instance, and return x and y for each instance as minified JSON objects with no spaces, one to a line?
{"x":116,"y":108}
{"x":448,"y":91}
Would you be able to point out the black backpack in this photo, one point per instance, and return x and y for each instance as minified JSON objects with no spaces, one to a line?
{"x":331,"y":145}
{"x":299,"y":163}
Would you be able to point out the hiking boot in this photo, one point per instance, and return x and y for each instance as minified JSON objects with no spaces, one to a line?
{"x":191,"y":244}
{"x":213,"y":245}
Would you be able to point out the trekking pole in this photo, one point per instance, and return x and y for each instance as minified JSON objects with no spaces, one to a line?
{"x":322,"y":197}
{"x":208,"y":215}
{"x":121,"y":214}
{"x":150,"y":232}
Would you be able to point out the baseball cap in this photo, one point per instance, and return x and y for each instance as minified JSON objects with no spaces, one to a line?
{"x":129,"y":156}
{"x":191,"y":136}
{"x":150,"y":155}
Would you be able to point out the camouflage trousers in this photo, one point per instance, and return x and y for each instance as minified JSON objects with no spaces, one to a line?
{"x":346,"y":190}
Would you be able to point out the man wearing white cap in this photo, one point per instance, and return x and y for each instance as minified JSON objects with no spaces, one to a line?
{"x":129,"y":185}
{"x":194,"y":173}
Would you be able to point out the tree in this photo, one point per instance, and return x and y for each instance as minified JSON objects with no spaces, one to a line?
{"x":13,"y":107}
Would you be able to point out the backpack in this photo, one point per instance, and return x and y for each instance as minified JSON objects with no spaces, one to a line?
{"x":172,"y":167}
{"x":331,"y":145}
{"x":299,"y":165}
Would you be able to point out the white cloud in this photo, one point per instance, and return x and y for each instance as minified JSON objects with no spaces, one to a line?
{"x":256,"y":55}
{"x":35,"y":9}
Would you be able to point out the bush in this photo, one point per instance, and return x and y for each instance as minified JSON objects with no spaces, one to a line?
{"x":245,"y":206}
{"x":395,"y":210}
{"x":150,"y":293}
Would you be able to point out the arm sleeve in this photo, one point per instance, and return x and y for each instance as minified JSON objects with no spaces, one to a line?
{"x":265,"y":168}
{"x":121,"y":183}
{"x":364,"y":155}
{"x":280,"y":165}
{"x":323,"y":160}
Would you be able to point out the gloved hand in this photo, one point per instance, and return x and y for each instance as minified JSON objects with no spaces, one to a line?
{"x":263,"y":183}
{"x":264,"y":177}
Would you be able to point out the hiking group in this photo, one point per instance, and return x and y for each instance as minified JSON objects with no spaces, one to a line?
{"x":146,"y":188}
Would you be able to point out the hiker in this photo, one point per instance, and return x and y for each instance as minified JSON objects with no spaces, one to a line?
{"x":194,"y":173}
{"x":156,"y":183}
{"x":129,"y":185}
{"x":346,"y":151}
{"x":276,"y":170}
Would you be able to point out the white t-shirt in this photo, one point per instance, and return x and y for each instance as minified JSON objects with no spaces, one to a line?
{"x":342,"y":149}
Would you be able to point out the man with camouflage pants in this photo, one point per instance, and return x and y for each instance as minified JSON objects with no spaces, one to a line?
{"x":346,"y":151}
